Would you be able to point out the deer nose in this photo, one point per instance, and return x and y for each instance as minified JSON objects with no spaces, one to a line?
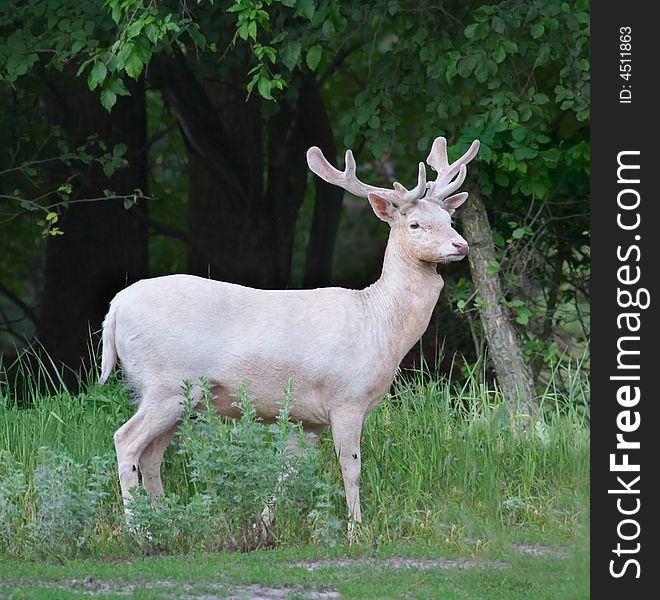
{"x":461,"y":247}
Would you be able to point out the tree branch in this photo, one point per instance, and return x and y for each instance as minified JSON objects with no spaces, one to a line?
{"x":173,"y":232}
{"x":27,"y":309}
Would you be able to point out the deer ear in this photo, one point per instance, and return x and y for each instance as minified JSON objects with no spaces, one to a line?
{"x":385,"y":209}
{"x":453,"y":202}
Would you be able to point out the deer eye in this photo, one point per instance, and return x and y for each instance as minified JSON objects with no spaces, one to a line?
{"x":414,"y":225}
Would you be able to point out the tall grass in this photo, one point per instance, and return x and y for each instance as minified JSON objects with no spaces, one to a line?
{"x":454,"y":457}
{"x":441,"y":463}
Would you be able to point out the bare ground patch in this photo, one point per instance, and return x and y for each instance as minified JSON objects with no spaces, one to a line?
{"x":401,"y":562}
{"x":200,"y":591}
{"x":539,"y":550}
{"x":204,"y":590}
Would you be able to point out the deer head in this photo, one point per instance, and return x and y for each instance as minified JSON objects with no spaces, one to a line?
{"x":420,"y":218}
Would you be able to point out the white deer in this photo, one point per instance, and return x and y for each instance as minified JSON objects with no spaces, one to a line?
{"x":341,"y":347}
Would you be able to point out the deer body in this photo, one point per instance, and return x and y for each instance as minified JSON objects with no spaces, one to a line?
{"x":340,"y":347}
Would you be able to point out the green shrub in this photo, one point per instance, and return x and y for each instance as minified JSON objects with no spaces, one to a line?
{"x":442,"y":464}
{"x":68,"y":500}
{"x":12,"y":502}
{"x":237,"y":467}
{"x":57,"y":515}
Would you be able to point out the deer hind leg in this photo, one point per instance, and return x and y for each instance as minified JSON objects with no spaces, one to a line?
{"x":151,"y":460}
{"x":156,"y":417}
{"x":268,"y":513}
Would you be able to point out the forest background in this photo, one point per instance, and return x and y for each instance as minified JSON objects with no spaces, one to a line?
{"x":142,"y":138}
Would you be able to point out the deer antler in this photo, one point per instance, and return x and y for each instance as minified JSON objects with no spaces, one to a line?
{"x":439,"y":189}
{"x":347,"y":179}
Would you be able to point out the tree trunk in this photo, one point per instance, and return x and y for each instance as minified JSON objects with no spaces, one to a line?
{"x":287,"y":180}
{"x":513,"y":374}
{"x":327,"y":198}
{"x":246,"y":183}
{"x":104,"y":247}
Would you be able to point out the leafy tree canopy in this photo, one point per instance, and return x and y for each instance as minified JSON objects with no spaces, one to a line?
{"x":393,"y":76}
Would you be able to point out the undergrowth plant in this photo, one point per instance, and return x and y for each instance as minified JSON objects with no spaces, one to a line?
{"x":56,"y":515}
{"x":236,"y":468}
{"x":68,"y":501}
{"x":442,"y":463}
{"x":12,"y":503}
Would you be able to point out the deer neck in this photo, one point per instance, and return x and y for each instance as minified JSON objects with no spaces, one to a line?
{"x":403,"y":299}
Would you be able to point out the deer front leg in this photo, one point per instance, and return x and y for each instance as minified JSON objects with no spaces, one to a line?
{"x":346,"y":436}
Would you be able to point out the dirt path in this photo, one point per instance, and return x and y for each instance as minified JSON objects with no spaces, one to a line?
{"x":208,"y":590}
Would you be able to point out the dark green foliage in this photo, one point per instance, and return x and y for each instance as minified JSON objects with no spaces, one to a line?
{"x":391,"y":78}
{"x":443,"y":464}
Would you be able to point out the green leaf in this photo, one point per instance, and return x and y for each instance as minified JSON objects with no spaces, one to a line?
{"x":493,"y":267}
{"x":116,"y":84}
{"x":499,"y":54}
{"x":242,"y":31}
{"x":537,"y":31}
{"x":152,"y":33}
{"x":519,"y":134}
{"x":108,"y":99}
{"x":134,"y":65}
{"x":541,"y":99}
{"x":510,"y":46}
{"x":469,"y":31}
{"x":278,"y":83}
{"x":525,"y":113}
{"x":290,"y":54}
{"x":498,"y":239}
{"x":116,"y":13}
{"x":364,"y":113}
{"x":481,"y":72}
{"x":519,"y":233}
{"x":499,"y":26}
{"x":524,"y":153}
{"x":485,"y":152}
{"x":142,"y":50}
{"x":196,"y":36}
{"x":480,"y":303}
{"x":253,"y":82}
{"x":306,"y":8}
{"x":252,"y":30}
{"x":83,"y":66}
{"x":264,"y":86}
{"x":96,"y":75}
{"x":551,"y":156}
{"x":122,"y":56}
{"x":466,"y":65}
{"x":523,"y":315}
{"x":313,"y":57}
{"x":328,"y":29}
